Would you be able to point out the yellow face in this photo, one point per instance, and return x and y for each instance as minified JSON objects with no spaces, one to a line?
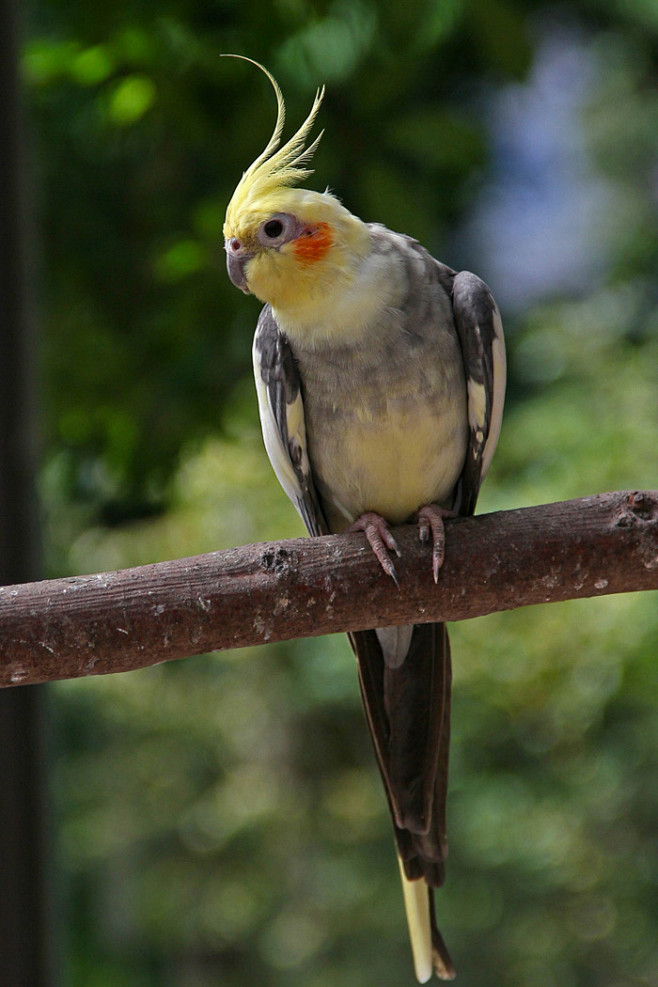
{"x":262,"y":246}
{"x":294,"y":251}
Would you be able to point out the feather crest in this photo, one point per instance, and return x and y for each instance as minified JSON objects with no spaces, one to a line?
{"x":276,"y":167}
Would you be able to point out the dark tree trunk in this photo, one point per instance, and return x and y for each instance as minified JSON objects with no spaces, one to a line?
{"x":25,"y":954}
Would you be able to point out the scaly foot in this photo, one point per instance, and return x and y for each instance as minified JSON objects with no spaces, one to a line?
{"x":380,"y":539}
{"x":430,"y":520}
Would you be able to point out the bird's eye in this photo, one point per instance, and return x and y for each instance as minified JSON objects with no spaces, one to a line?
{"x":278,"y":230}
{"x":273,"y":228}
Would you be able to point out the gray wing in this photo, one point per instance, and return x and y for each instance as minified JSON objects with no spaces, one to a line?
{"x":480,"y":332}
{"x":281,"y":410}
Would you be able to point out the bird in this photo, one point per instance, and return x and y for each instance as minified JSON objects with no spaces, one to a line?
{"x":380,"y":376}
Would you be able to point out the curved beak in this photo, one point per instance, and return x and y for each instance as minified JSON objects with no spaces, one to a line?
{"x":236,"y":260}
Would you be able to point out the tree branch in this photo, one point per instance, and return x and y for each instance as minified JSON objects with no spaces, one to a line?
{"x":117,"y":621}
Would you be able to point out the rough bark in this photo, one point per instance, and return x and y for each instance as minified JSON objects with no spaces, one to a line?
{"x":116,"y":621}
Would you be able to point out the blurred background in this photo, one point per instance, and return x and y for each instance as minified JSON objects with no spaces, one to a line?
{"x":219,"y":820}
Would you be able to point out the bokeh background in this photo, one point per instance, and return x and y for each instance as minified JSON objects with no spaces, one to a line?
{"x":219,"y":820}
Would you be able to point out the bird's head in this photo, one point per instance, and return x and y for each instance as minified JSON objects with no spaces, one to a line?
{"x":288,"y":246}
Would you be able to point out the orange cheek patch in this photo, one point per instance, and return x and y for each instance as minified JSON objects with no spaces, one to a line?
{"x":313,"y":244}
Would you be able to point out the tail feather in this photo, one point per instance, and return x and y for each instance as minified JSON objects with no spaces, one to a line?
{"x":443,"y":965}
{"x":407,"y":706}
{"x":428,"y":949}
{"x":416,"y":906}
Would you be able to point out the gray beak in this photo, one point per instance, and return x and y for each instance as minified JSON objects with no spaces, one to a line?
{"x":236,"y":259}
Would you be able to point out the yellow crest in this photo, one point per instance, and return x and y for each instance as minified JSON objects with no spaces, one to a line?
{"x":274,"y":169}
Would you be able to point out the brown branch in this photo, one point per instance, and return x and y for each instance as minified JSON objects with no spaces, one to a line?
{"x":116,"y":621}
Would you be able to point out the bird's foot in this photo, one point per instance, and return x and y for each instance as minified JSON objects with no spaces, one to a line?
{"x":380,"y":540}
{"x":430,"y":521}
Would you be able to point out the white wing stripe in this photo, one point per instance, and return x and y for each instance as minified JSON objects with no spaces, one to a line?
{"x":274,"y":446}
{"x":498,"y":396}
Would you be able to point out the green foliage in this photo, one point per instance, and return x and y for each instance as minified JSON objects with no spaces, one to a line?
{"x":220,"y":820}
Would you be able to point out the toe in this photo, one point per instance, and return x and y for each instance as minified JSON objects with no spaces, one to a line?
{"x":430,"y":521}
{"x":380,"y":540}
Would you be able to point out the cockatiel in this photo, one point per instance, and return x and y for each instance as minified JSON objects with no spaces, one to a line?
{"x":380,"y":375}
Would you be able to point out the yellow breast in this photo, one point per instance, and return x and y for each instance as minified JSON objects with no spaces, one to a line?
{"x":391,"y":463}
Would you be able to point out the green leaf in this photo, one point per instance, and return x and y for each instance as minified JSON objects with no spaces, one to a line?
{"x":131,"y":99}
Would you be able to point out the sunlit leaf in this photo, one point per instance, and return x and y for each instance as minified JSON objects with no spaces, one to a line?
{"x":131,"y":99}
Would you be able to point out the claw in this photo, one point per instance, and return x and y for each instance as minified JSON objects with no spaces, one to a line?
{"x":430,"y":520}
{"x":380,"y":539}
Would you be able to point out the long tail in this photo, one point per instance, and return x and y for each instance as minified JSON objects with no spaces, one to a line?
{"x":407,"y":706}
